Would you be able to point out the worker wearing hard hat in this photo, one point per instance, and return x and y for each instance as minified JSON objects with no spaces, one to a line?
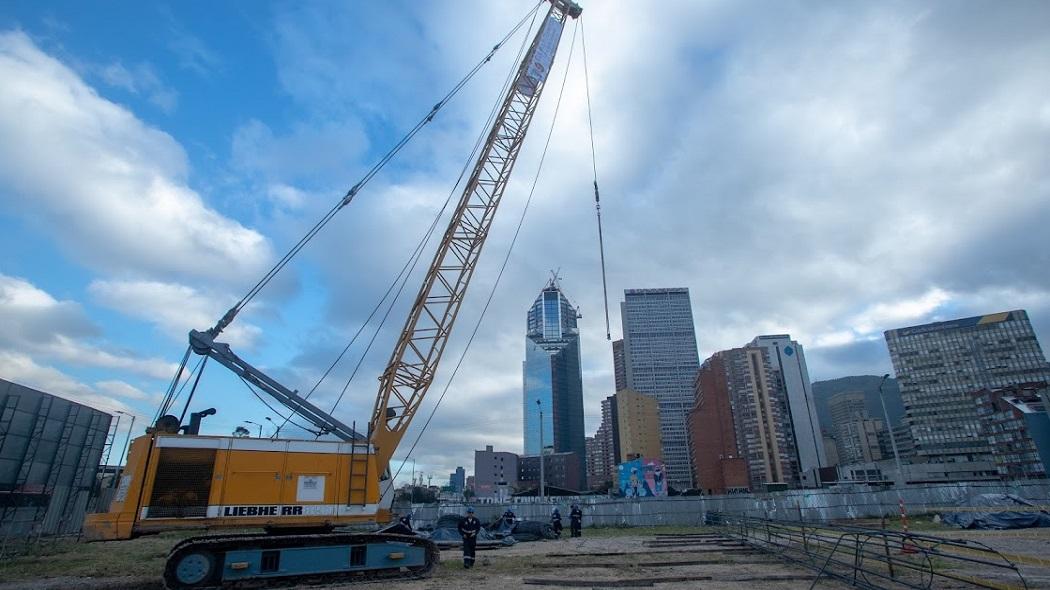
{"x":576,"y":521}
{"x":469,"y":528}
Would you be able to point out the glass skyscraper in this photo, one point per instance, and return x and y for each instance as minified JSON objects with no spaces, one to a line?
{"x":661,"y":360}
{"x":552,"y":376}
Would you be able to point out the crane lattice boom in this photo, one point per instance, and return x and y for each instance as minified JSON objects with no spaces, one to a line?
{"x":418,"y":351}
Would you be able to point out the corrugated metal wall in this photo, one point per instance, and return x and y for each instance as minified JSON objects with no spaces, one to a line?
{"x":49,"y":455}
{"x":844,"y":502}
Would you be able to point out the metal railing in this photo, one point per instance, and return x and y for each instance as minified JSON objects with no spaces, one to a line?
{"x":875,"y":558}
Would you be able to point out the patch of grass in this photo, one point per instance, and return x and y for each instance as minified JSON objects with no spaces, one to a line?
{"x":144,"y":556}
{"x":917,"y":524}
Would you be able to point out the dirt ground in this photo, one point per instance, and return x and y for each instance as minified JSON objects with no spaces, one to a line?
{"x":581,"y":563}
{"x":602,"y":558}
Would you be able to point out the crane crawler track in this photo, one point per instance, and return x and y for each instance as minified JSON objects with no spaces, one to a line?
{"x":217,"y":546}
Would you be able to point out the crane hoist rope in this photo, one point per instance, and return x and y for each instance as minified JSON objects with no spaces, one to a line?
{"x":506,"y":258}
{"x":594,"y":167}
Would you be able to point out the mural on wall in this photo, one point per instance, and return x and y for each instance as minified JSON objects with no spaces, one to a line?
{"x":642,"y":478}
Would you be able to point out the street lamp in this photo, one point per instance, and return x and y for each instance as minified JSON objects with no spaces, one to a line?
{"x":127,"y":442}
{"x":277,"y":428}
{"x":542,"y":481}
{"x":255,"y":424}
{"x":893,"y":440}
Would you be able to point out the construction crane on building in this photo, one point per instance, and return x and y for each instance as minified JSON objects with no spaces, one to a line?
{"x":301,"y":491}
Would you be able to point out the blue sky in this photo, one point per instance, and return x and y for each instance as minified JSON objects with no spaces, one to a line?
{"x":828,"y":171}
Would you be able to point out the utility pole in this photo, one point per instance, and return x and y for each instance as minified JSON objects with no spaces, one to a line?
{"x":127,"y":442}
{"x":893,"y":440}
{"x":542,"y":480}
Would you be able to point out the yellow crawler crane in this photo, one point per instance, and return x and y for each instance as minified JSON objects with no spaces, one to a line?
{"x":299,"y":491}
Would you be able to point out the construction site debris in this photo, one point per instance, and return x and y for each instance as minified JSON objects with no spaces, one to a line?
{"x":1024,"y":515}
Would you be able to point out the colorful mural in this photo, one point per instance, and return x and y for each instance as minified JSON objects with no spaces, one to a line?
{"x":642,"y":478}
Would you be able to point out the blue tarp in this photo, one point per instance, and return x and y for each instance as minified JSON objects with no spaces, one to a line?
{"x":998,"y":519}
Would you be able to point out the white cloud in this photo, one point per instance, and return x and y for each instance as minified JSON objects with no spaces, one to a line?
{"x":110,"y":189}
{"x":117,"y":388}
{"x":22,"y":369}
{"x":37,"y":323}
{"x":173,"y":308}
{"x":828,"y":173}
{"x":287,"y":197}
{"x":882,"y":316}
{"x":141,"y":79}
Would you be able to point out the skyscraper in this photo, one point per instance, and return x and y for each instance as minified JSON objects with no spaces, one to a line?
{"x":457,"y":480}
{"x":638,"y":426}
{"x":552,"y":376}
{"x":660,"y":360}
{"x":940,"y":365}
{"x":761,"y":428}
{"x":619,"y":366}
{"x":789,"y":360}
{"x":857,"y":435}
{"x":718,"y":466}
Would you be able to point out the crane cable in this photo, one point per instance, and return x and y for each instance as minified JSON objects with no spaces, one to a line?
{"x":414,"y":257}
{"x":350,"y":194}
{"x":174,"y":391}
{"x":594,"y":166}
{"x":482,"y":135}
{"x":229,"y":316}
{"x":503,"y":267}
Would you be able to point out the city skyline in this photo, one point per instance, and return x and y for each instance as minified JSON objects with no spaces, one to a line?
{"x":856,"y":171}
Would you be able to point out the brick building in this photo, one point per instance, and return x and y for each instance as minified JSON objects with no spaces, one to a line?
{"x":717,"y":466}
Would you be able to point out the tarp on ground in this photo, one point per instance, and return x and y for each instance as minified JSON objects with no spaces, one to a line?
{"x":1026,"y":515}
{"x":533,"y":530}
{"x":446,"y":534}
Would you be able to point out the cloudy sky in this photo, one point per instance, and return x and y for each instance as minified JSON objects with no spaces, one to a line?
{"x":826,"y":170}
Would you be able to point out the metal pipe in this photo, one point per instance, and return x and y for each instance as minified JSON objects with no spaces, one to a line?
{"x":542,"y":481}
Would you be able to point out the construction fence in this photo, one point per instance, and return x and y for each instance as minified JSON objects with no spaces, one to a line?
{"x":819,"y":505}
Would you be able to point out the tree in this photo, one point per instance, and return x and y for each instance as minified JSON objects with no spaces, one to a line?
{"x":241,"y":432}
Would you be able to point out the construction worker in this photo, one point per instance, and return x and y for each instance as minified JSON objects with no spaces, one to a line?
{"x":576,"y":521}
{"x":509,"y":518}
{"x":468,"y":528}
{"x":406,"y":521}
{"x":556,"y":522}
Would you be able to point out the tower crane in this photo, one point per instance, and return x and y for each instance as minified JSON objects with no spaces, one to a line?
{"x":301,"y":491}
